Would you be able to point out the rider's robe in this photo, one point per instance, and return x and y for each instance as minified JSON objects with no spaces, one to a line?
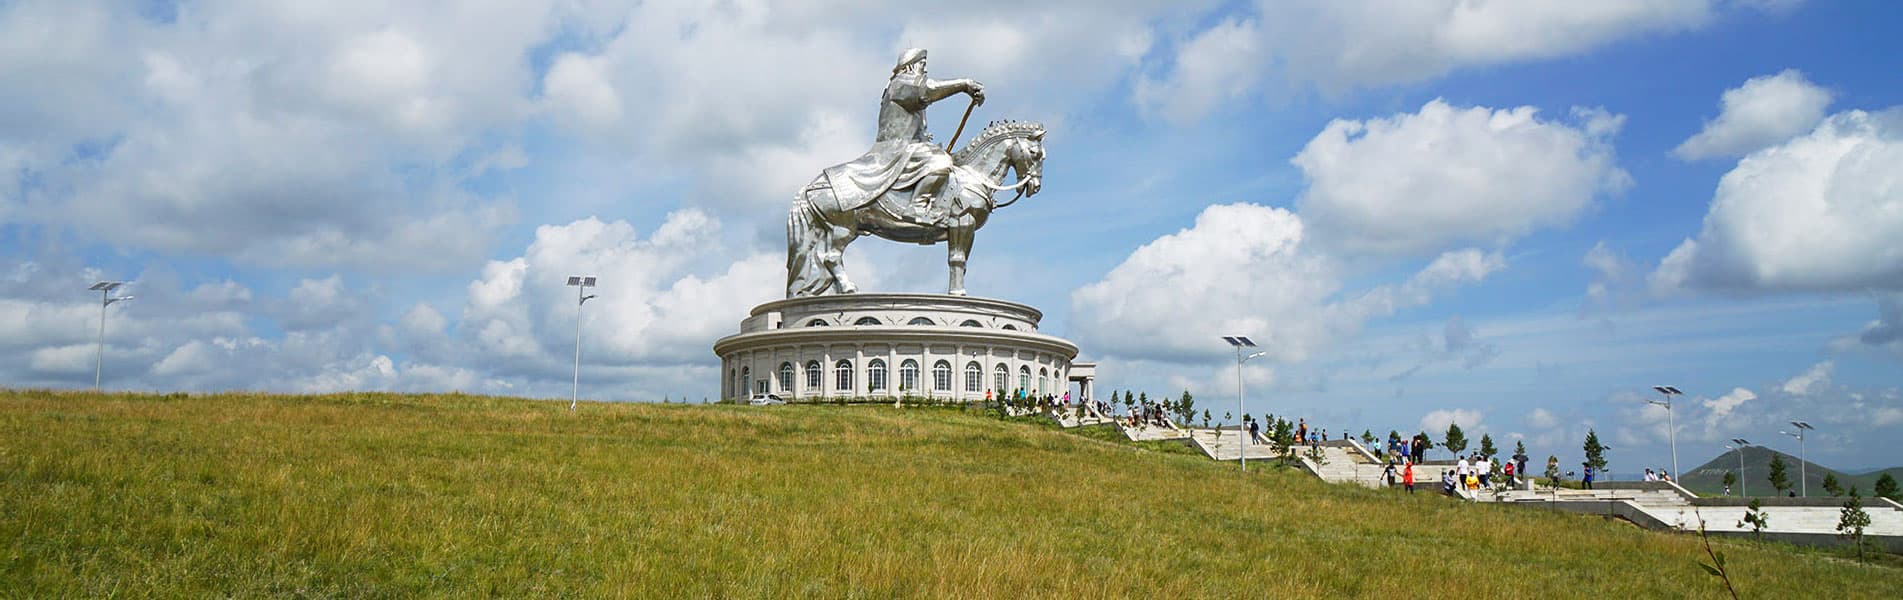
{"x":901,"y":155}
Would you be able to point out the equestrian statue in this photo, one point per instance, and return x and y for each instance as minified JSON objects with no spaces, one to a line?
{"x":907,"y":188}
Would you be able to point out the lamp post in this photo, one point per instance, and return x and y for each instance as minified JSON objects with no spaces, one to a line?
{"x":1670,"y":421}
{"x":581,"y":285}
{"x":1802,"y":456}
{"x":1743,"y":488}
{"x":1240,"y":342}
{"x":105,"y":289}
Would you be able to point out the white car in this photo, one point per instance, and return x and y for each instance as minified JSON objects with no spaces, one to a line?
{"x":765,"y":400}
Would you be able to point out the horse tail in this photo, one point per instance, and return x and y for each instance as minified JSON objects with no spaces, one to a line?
{"x":806,"y":245}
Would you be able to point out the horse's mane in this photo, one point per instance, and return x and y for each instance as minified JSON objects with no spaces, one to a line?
{"x":996,"y":131}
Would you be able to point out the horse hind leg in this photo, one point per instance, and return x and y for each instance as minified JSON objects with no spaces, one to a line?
{"x":808,"y":244}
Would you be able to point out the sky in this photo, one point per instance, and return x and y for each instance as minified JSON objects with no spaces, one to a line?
{"x":1514,"y":216}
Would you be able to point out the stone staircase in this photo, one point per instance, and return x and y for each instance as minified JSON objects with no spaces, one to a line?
{"x":1151,"y":433}
{"x":1222,"y":446}
{"x":1346,"y":462}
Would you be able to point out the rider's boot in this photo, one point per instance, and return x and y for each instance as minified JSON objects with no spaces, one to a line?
{"x":925,"y":199}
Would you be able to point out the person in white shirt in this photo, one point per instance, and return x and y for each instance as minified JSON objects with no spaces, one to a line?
{"x":1463,"y":469}
{"x":1486,"y":471}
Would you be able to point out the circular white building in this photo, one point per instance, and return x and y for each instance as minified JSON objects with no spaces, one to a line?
{"x":873,"y":346}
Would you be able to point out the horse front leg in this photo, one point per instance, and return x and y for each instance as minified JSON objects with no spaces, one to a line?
{"x":957,"y":249}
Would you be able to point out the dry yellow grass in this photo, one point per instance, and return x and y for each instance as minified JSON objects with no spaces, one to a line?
{"x":380,"y":495}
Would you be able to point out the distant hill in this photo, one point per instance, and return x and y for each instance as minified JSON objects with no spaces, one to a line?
{"x":1708,"y":478}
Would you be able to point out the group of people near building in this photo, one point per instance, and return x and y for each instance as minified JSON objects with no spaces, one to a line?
{"x":1412,"y":449}
{"x":1148,"y":413}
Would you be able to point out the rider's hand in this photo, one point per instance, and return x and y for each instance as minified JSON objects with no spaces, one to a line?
{"x":977,"y":91}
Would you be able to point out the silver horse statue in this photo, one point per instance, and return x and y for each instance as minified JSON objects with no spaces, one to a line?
{"x":823,"y":220}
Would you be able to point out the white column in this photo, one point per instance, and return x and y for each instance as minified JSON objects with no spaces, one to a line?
{"x":860,"y":381}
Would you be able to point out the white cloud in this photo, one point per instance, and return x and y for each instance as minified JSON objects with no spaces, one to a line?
{"x":422,"y":321}
{"x":1762,"y":112}
{"x":653,"y":306}
{"x":1541,"y":418}
{"x":1762,"y":231}
{"x":1815,"y":379}
{"x":1720,"y":418}
{"x":1419,"y":182}
{"x":1344,"y":44}
{"x":1250,"y":274}
{"x":578,"y":91}
{"x":1640,"y":422}
{"x":322,"y":304}
{"x":1217,"y":65}
{"x":263,"y":134}
{"x":1470,"y":420}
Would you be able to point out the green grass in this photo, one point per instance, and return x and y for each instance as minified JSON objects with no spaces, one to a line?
{"x":387,"y":495}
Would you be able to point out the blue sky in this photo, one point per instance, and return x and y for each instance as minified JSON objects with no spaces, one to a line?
{"x":1515,"y":216}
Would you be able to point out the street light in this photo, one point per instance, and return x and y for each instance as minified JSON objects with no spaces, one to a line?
{"x":1802,"y":456}
{"x":581,"y":285}
{"x":1743,"y":489}
{"x":1670,"y":391}
{"x":1240,"y":342}
{"x":105,"y":289}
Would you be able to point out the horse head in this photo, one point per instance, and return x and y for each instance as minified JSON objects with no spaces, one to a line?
{"x":1014,"y":145}
{"x":1026,"y":156}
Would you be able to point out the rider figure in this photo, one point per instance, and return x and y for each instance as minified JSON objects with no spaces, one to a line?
{"x":902,"y":135}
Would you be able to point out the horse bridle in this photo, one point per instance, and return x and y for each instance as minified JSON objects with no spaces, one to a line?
{"x":1034,"y":175}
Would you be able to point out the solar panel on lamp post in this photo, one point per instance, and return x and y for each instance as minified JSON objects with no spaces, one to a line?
{"x":105,"y":289}
{"x":1802,"y":456}
{"x":581,"y":285}
{"x":1743,"y":489}
{"x":1240,"y":342}
{"x":1670,"y":422}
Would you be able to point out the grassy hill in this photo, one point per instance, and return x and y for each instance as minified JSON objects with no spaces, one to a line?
{"x":380,"y":495}
{"x":1708,"y":478}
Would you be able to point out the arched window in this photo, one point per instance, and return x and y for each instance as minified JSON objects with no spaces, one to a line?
{"x":1043,"y":380}
{"x":941,"y":376}
{"x":867,"y":321}
{"x":842,"y":375}
{"x":813,"y":381}
{"x":1010,"y":327}
{"x":746,"y":380}
{"x":908,"y":375}
{"x":1024,"y":379}
{"x":974,"y":376}
{"x":786,"y":377}
{"x":816,"y":323}
{"x":971,"y":323}
{"x":1001,"y":378}
{"x":875,"y":375}
{"x":920,"y":321}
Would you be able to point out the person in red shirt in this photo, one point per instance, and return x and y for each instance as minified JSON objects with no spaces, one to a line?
{"x":1407,"y":477}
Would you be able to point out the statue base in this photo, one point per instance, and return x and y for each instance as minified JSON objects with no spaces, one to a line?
{"x":890,"y":346}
